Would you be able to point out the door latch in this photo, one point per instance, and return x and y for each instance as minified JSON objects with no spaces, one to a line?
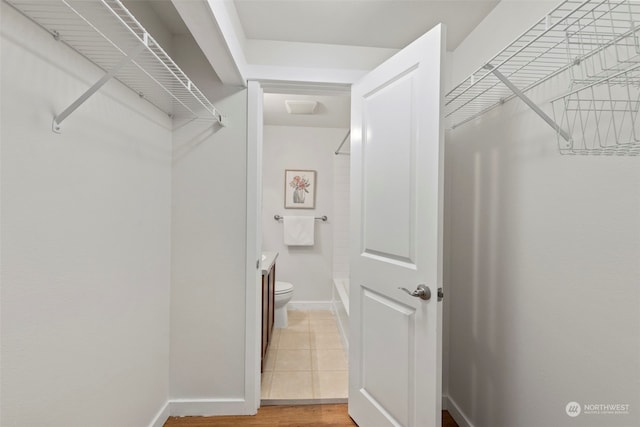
{"x":422,"y":292}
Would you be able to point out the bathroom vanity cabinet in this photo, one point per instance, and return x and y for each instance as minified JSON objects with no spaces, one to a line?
{"x":268,"y":301}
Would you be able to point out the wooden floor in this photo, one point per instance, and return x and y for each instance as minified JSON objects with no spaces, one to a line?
{"x":285,"y":416}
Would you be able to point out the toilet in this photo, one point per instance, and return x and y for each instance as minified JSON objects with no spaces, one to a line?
{"x":284,"y":292}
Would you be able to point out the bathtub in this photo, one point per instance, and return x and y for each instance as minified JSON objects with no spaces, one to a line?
{"x":340,"y":303}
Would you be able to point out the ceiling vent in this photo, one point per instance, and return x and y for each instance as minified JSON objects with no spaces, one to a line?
{"x":301,"y":107}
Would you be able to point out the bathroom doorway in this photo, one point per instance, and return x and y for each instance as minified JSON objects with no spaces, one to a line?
{"x":302,"y":130}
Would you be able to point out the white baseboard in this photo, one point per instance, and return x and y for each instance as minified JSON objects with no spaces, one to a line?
{"x":450,"y":405}
{"x":300,"y":402}
{"x":310,"y":305}
{"x":209,"y":407}
{"x":161,"y":417}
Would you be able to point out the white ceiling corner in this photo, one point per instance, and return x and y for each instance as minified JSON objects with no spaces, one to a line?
{"x":312,"y":40}
{"x":328,"y":28}
{"x":368,"y":23}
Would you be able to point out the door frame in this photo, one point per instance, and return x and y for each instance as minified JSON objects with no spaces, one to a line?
{"x":253,"y":263}
{"x":253,"y":290}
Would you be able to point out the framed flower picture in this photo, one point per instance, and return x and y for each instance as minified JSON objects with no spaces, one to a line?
{"x":299,"y":189}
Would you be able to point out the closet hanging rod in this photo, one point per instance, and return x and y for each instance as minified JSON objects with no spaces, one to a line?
{"x":323,"y":218}
{"x":337,"y":152}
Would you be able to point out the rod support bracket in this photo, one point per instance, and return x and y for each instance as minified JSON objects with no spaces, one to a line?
{"x":220,"y":118}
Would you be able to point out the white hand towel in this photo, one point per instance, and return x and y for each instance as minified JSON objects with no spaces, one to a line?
{"x":299,"y":230}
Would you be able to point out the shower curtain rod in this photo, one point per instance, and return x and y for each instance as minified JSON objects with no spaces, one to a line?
{"x":337,"y":152}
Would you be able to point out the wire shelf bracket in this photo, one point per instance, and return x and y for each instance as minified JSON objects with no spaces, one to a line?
{"x":517,"y":92}
{"x":108,"y":35}
{"x":57,"y":120}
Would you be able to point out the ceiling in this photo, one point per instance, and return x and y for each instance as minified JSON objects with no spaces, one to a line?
{"x":346,"y":22}
{"x":331,"y":111}
{"x":365,"y":23}
{"x":369,"y":23}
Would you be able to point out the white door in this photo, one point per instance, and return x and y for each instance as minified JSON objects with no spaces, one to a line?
{"x":397,"y":138}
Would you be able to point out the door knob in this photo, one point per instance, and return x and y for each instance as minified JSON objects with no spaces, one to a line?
{"x":422,"y":292}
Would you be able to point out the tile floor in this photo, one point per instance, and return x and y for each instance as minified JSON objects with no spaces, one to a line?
{"x":306,"y":360}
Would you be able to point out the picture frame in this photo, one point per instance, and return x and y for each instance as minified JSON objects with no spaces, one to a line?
{"x":299,"y":189}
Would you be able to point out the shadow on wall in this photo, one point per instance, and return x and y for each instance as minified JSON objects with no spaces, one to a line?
{"x":533,"y":237}
{"x":190,"y":134}
{"x":479,"y":318}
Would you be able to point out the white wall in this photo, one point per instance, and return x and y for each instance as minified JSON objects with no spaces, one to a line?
{"x":208,"y":250}
{"x":151,"y":22}
{"x":272,"y":53}
{"x":544,"y":270}
{"x":85,"y":242}
{"x":508,"y":20}
{"x":309,"y":269}
{"x":341,"y":192}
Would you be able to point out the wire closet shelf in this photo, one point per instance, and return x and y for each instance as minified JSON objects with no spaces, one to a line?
{"x":594,"y":45}
{"x":107,"y":34}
